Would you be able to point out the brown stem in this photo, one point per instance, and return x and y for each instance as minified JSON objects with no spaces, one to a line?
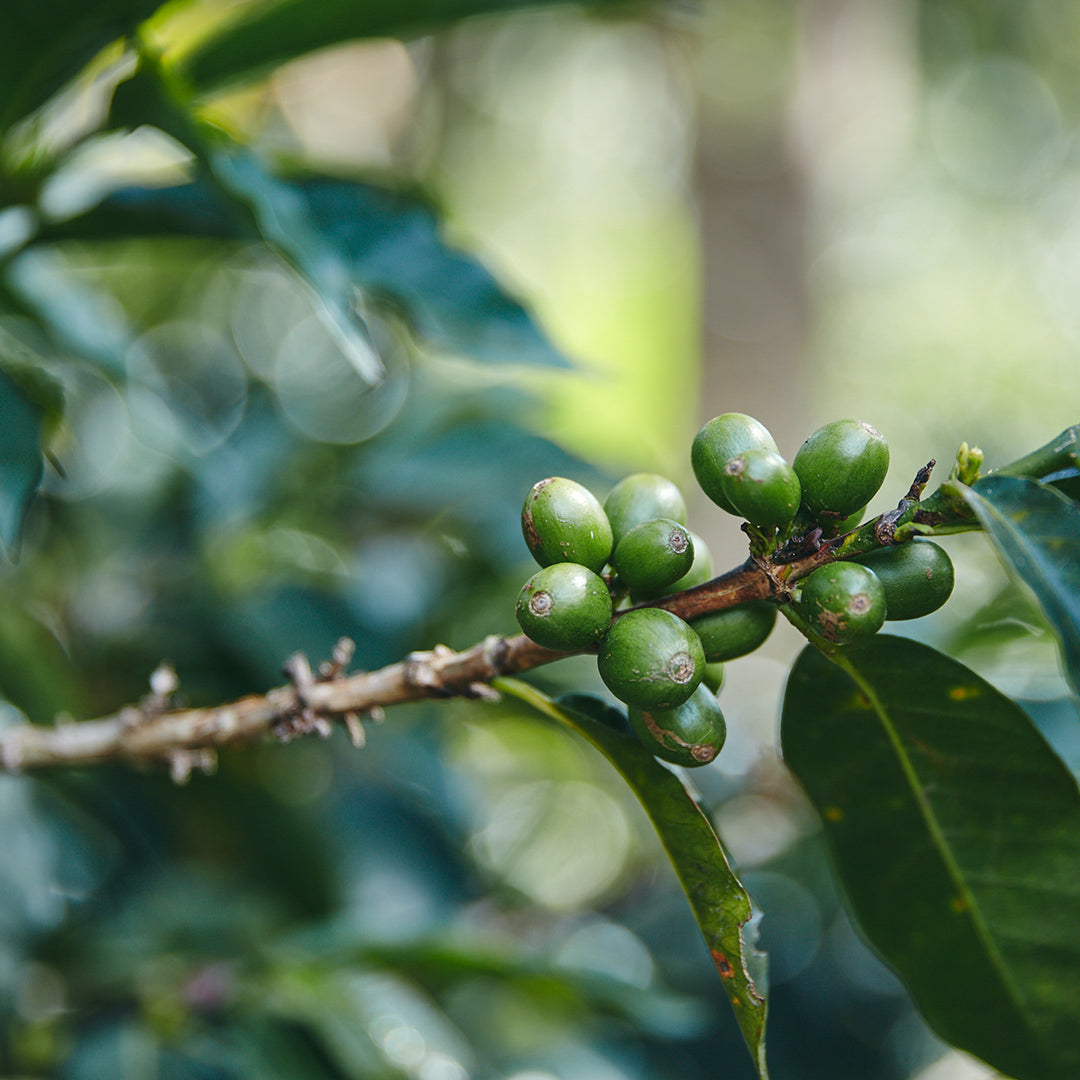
{"x":187,"y":739}
{"x":751,"y":581}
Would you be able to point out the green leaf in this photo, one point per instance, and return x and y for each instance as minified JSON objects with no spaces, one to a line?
{"x":1036,"y":530}
{"x":283,"y":218}
{"x":343,"y":236}
{"x":43,"y":48}
{"x":76,"y":317}
{"x":956,"y":834}
{"x":720,"y":904}
{"x":21,"y":462}
{"x":1058,"y":456}
{"x":268,"y":34}
{"x":394,"y":250}
{"x":23,"y":366}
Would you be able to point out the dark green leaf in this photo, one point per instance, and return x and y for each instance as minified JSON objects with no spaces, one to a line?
{"x":270,"y":33}
{"x":1036,"y":530}
{"x":439,"y":962}
{"x":392,"y":244}
{"x":43,"y":48}
{"x":956,"y":834}
{"x":1056,"y":457}
{"x":40,"y":389}
{"x":720,"y":904}
{"x":21,"y":462}
{"x":343,"y":237}
{"x":1067,"y":482}
{"x":284,"y":219}
{"x":340,"y":1009}
{"x":266,"y":1048}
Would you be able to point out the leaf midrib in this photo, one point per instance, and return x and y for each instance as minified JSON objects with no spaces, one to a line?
{"x":971,"y":908}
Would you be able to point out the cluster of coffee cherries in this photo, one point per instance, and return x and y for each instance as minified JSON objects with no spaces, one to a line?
{"x":824,"y":492}
{"x":635,"y":548}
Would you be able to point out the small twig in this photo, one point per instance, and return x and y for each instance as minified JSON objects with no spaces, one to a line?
{"x":304,"y":720}
{"x":339,"y":660}
{"x":885,"y":529}
{"x":185,"y":739}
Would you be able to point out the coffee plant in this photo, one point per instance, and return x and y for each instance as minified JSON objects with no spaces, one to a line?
{"x":166,"y":492}
{"x":876,"y":728}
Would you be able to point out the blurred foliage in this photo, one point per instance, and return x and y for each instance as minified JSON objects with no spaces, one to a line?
{"x":944,"y":254}
{"x":269,"y":401}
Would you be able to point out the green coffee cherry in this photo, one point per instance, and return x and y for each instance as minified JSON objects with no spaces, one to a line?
{"x":713,"y":677}
{"x":841,"y":466}
{"x":762,"y":487}
{"x":729,"y":634}
{"x":651,"y":659}
{"x":842,"y":601}
{"x":564,"y":606}
{"x":700,"y":572}
{"x":642,"y":497}
{"x":563,"y":522}
{"x":691,"y":734}
{"x":917,"y":577}
{"x":654,"y":554}
{"x":721,"y":439}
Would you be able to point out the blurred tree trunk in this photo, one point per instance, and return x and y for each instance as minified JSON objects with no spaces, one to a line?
{"x":831,"y":124}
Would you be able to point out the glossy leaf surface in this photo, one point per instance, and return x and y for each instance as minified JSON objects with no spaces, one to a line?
{"x":719,"y":902}
{"x":1036,"y":530}
{"x":956,"y":833}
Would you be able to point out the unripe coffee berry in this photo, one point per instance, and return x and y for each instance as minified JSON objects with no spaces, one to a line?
{"x":651,"y":659}
{"x":691,"y":734}
{"x":841,"y":466}
{"x":700,"y":571}
{"x":762,"y":487}
{"x":842,"y":601}
{"x":714,"y":676}
{"x":734,"y":632}
{"x":654,"y":554}
{"x":917,"y":577}
{"x":564,"y":607}
{"x":562,"y":521}
{"x":721,"y":439}
{"x":642,"y":497}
